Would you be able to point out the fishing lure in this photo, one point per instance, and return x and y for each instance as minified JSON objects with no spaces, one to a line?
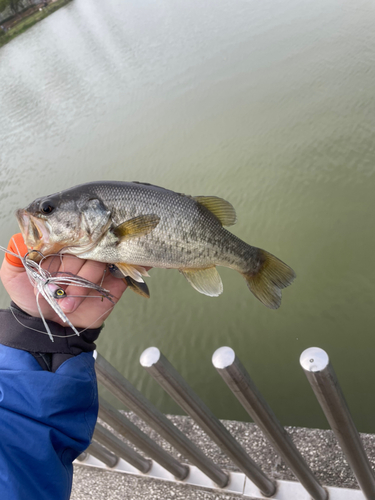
{"x":49,"y":286}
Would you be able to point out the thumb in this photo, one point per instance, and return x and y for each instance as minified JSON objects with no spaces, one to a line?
{"x":69,"y":304}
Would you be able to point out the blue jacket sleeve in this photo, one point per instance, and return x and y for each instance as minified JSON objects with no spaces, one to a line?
{"x":46,"y":420}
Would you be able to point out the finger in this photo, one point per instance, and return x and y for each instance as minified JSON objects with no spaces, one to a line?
{"x":57,"y":264}
{"x":116,"y":286}
{"x":92,"y":271}
{"x":69,"y":264}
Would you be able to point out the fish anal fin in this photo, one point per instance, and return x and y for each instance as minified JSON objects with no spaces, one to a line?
{"x":220,"y":208}
{"x":136,"y":227}
{"x":206,"y":281}
{"x":135,"y":272}
{"x":137,"y":287}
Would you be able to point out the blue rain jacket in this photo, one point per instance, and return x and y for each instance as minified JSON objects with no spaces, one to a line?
{"x":46,"y":420}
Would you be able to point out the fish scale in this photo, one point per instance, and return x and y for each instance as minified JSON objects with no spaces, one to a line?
{"x":176,"y":220}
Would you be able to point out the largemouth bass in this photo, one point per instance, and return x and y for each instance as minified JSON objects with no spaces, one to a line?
{"x":135,"y":225}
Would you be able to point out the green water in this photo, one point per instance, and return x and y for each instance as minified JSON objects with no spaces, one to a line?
{"x":270,"y":105}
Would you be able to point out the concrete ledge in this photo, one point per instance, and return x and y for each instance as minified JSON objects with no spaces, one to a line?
{"x":318,"y":447}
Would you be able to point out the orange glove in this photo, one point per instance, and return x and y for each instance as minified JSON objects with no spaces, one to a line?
{"x":17,"y":246}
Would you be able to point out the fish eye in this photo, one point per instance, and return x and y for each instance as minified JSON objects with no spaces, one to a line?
{"x":59,"y":293}
{"x":46,"y":207}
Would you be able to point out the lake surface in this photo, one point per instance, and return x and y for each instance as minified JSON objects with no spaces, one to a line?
{"x":270,"y":105}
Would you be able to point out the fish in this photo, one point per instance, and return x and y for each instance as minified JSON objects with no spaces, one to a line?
{"x":136,"y":225}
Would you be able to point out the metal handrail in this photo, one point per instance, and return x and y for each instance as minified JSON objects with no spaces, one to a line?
{"x":107,"y":439}
{"x":172,"y":382}
{"x":205,"y":472}
{"x":126,"y":428}
{"x":98,"y":451}
{"x":136,"y":402}
{"x":321,"y":375}
{"x":238,"y":380}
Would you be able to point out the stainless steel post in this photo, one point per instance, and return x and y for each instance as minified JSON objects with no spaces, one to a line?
{"x":126,"y":428}
{"x":82,"y":457}
{"x":172,"y":382}
{"x":107,"y":439}
{"x":238,"y":380}
{"x":135,"y":401}
{"x":98,"y":451}
{"x":319,"y":371}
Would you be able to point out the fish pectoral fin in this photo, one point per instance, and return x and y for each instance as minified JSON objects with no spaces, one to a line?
{"x":206,"y":281}
{"x":220,"y":208}
{"x":138,"y":288}
{"x":136,"y":227}
{"x":135,"y":272}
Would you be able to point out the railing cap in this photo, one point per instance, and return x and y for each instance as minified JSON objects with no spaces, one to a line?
{"x":223,"y":357}
{"x":150,"y":356}
{"x":314,"y":359}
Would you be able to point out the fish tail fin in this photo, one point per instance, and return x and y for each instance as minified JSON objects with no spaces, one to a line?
{"x":271,"y":277}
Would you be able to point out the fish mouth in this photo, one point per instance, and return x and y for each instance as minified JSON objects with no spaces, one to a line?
{"x":34,"y":230}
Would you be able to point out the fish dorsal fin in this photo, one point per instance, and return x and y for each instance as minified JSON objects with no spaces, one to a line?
{"x":205,"y":281}
{"x":220,"y":208}
{"x":135,"y":272}
{"x":136,"y":227}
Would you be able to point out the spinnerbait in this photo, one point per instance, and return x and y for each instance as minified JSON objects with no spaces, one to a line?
{"x":48,"y":285}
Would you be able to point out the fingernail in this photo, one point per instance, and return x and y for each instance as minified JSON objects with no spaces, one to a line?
{"x":68,"y":304}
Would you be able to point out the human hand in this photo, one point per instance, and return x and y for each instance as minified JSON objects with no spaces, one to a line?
{"x":83,"y":312}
